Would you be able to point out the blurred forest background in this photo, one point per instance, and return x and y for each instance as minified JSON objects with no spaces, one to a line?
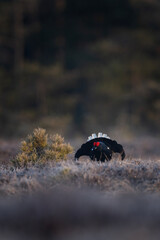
{"x":79,"y":66}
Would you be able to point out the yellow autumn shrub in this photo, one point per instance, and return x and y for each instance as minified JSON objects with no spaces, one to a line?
{"x":41,"y":148}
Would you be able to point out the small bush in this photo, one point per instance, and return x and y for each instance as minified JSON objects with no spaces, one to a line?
{"x":39,"y":148}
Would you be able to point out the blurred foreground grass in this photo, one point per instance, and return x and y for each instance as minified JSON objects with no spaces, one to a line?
{"x":71,"y":214}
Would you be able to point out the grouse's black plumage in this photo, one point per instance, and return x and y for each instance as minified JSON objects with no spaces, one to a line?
{"x":100,"y":149}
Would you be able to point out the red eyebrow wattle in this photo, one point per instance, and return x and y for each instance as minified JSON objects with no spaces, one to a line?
{"x":96,"y":144}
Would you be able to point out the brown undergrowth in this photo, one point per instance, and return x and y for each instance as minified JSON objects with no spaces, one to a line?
{"x":38,"y":148}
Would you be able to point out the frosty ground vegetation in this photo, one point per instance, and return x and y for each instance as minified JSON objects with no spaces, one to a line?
{"x":116,"y":176}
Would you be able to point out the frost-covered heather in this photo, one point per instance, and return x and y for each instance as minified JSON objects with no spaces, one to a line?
{"x":130,"y":175}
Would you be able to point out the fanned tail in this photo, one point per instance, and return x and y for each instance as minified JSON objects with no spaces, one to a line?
{"x":100,"y":135}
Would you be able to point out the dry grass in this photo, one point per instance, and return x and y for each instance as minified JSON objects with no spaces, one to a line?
{"x":130,"y":175}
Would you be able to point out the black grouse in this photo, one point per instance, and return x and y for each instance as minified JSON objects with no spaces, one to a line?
{"x":100,"y":148}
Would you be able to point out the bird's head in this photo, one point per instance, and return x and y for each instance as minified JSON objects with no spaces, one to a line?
{"x":96,"y":146}
{"x":96,"y":150}
{"x":99,"y":149}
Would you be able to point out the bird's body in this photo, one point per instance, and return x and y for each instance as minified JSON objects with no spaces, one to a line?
{"x":100,"y":148}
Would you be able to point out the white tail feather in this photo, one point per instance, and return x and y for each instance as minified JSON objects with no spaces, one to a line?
{"x":89,"y":138}
{"x":100,"y":134}
{"x":106,"y":136}
{"x":93,"y":136}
